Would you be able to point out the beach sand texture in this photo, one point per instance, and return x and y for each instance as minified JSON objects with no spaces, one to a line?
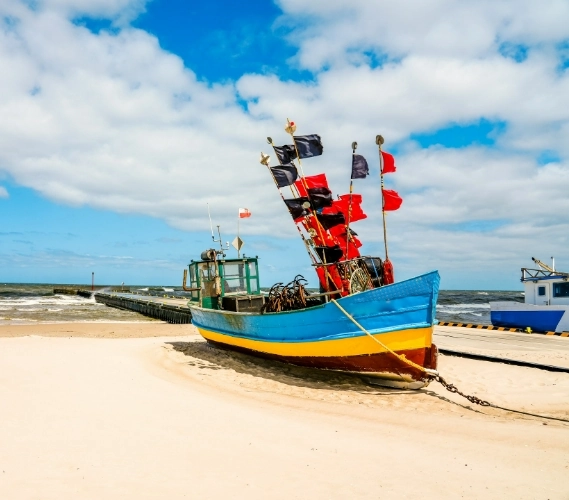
{"x":151,"y":411}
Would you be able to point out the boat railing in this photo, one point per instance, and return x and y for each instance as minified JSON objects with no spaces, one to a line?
{"x":528,"y":274}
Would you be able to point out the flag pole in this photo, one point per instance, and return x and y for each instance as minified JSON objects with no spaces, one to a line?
{"x":388,"y":277}
{"x":238,"y":248}
{"x":291,"y":128}
{"x":265,"y":159}
{"x":354,"y":147}
{"x":379,"y":141}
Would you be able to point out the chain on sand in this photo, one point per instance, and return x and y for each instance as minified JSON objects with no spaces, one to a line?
{"x":453,"y":388}
{"x":481,"y":402}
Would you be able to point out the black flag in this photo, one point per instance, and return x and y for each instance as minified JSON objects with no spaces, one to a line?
{"x":295,"y":207}
{"x":331,"y":220}
{"x":285,"y":154}
{"x":329,"y":254}
{"x":284,"y":175}
{"x":359,"y":167}
{"x":320,"y":197}
{"x":308,"y":145}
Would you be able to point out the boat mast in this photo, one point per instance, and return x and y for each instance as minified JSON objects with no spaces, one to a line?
{"x":379,"y":141}
{"x":265,"y":159}
{"x":354,"y":147}
{"x":318,"y":229}
{"x":291,"y":128}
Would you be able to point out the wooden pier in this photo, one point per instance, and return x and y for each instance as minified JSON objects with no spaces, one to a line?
{"x":170,"y":310}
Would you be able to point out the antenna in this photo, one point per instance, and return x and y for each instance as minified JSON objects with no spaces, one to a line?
{"x":221,"y":251}
{"x":210,"y":223}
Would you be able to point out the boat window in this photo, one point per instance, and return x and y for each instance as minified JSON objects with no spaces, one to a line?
{"x":561,"y":289}
{"x":234,"y":277}
{"x":206,"y":272}
{"x":193,"y":281}
{"x":252,"y":269}
{"x":253,"y":284}
{"x":541,"y":290}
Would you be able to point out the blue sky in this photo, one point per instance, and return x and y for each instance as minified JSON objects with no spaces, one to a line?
{"x":122,"y":119}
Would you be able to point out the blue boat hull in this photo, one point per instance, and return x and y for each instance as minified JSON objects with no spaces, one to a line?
{"x":399,"y":316}
{"x":522,"y":316}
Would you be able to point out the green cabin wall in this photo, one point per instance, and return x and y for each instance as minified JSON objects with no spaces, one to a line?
{"x":213,"y":302}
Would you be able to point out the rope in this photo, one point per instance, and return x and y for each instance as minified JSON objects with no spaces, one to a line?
{"x":399,"y":356}
{"x":434,"y":375}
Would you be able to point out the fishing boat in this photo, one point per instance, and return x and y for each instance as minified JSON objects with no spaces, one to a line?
{"x":546,"y":304}
{"x":361,"y":321}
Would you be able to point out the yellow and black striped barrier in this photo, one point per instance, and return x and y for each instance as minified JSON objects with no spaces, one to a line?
{"x":500,"y":328}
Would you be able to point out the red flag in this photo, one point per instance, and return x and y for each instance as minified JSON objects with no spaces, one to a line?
{"x":244,"y":213}
{"x":388,"y":163}
{"x":343,"y":205}
{"x":388,"y":277}
{"x":312,"y":181}
{"x":391,"y":200}
{"x":349,"y":248}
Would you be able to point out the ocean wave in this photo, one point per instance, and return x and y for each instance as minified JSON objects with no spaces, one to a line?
{"x":454,"y":307}
{"x":466,"y":312}
{"x":42,"y":300}
{"x":15,"y":294}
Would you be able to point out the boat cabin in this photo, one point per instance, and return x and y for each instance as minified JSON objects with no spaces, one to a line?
{"x":545,"y":288}
{"x":230,"y":284}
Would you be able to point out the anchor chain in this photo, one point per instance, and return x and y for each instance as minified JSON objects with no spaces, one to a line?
{"x":481,"y":402}
{"x":454,"y":389}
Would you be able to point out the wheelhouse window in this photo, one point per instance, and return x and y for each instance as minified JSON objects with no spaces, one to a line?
{"x":561,"y":289}
{"x":234,"y":277}
{"x":541,"y":291}
{"x":253,"y":282}
{"x":194,"y":281}
{"x":206,"y":276}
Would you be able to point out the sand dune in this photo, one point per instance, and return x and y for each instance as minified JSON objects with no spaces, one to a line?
{"x":170,"y":417}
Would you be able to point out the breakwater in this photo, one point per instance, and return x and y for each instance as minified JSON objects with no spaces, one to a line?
{"x":169,"y":310}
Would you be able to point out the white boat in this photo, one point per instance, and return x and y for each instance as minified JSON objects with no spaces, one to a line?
{"x":546,"y":306}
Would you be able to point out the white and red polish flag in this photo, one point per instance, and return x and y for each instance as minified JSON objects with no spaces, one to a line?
{"x":244,"y":213}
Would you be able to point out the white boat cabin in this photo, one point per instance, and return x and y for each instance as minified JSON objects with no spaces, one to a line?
{"x":543,"y":288}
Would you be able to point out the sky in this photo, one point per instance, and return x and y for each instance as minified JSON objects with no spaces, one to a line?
{"x":121,"y":121}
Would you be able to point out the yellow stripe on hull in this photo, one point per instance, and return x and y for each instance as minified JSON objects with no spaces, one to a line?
{"x":401,"y":340}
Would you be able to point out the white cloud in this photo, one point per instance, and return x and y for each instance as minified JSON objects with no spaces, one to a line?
{"x":119,"y":11}
{"x":328,"y":30}
{"x":113,"y":121}
{"x":3,"y":192}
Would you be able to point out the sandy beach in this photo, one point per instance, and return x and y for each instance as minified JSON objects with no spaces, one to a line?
{"x":149,"y":410}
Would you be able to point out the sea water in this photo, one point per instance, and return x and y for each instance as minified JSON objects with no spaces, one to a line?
{"x":30,"y":303}
{"x":22,"y":303}
{"x":471,"y":306}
